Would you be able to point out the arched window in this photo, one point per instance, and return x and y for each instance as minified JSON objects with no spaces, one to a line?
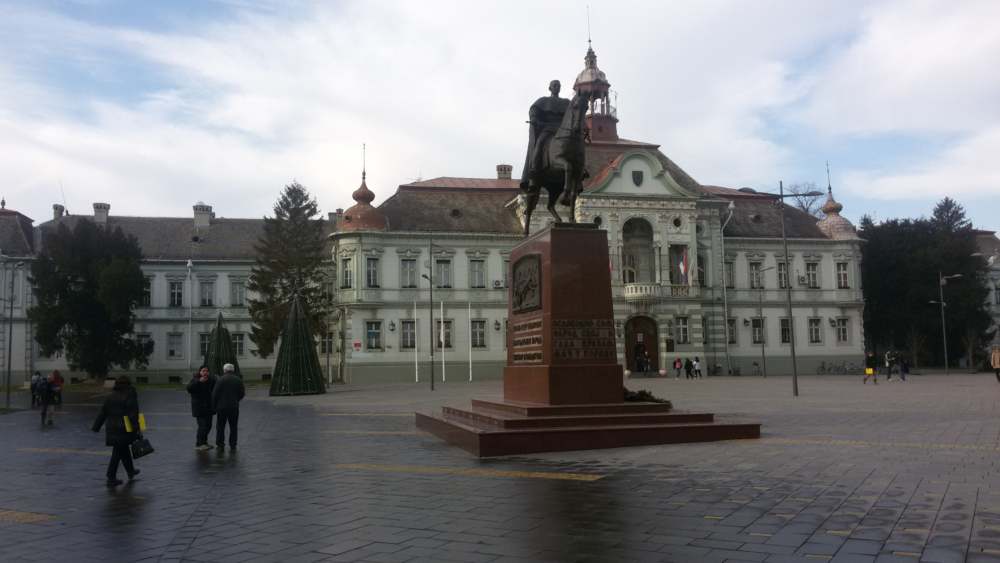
{"x":637,"y":248}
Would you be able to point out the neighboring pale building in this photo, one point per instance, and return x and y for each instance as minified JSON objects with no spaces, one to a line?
{"x":989,"y":247}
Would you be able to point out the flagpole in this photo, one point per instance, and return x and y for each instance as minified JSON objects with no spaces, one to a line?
{"x":416,"y":346}
{"x":444,"y":376}
{"x":470,"y":340}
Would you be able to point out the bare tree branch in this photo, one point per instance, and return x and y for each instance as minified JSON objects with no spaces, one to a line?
{"x":809,"y":204}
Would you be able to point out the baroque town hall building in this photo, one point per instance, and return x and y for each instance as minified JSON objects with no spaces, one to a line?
{"x":697,"y":270}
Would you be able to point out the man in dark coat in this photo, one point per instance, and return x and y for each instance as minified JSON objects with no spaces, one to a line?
{"x":200,"y":388}
{"x":226,"y":397}
{"x":122,"y":402}
{"x":46,"y":399}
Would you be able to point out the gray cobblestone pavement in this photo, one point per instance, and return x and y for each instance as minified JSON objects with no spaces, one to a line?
{"x":844,"y":473}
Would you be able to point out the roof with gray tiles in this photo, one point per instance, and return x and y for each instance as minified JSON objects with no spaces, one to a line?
{"x":478,"y":208}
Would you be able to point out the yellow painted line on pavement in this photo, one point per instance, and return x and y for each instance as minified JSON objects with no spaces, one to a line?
{"x":24,"y":517}
{"x":63,"y":451}
{"x":913,"y":554}
{"x":366,"y":414}
{"x":870,"y":444}
{"x":708,"y":517}
{"x":468,"y":472}
{"x":370,"y":432}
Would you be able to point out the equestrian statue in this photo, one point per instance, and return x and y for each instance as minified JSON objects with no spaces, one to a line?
{"x":555,"y":158}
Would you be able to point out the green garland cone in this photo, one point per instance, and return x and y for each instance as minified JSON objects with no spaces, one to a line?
{"x":297,"y":370}
{"x":221,"y":350}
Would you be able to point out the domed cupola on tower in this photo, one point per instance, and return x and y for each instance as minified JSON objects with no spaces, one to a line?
{"x":833,"y":224}
{"x":362,"y":216}
{"x":601,"y":116}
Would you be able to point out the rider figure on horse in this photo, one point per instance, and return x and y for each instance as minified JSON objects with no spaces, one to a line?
{"x":544,"y":118}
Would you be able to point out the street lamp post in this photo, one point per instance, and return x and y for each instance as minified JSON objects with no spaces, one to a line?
{"x":942,"y":280}
{"x":190,"y":267}
{"x":430,"y":281}
{"x":725,"y":283}
{"x":10,"y":325}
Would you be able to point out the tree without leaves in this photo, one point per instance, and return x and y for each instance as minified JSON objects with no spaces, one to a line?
{"x":290,"y":259}
{"x":809,"y":204}
{"x":87,"y":283}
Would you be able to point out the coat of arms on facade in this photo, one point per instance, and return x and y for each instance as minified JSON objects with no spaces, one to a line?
{"x":637,"y":177}
{"x":526,"y":289}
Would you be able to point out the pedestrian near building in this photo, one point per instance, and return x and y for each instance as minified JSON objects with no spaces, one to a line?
{"x":36,"y":380}
{"x":200,"y":388}
{"x":46,"y":399}
{"x":688,"y":369}
{"x":121,"y":403}
{"x":871,"y":368}
{"x":995,"y":361}
{"x":697,"y":367}
{"x":57,"y":382}
{"x":678,"y":364}
{"x":226,"y":397}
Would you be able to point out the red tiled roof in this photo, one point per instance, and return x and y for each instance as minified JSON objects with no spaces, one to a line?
{"x":733,"y":192}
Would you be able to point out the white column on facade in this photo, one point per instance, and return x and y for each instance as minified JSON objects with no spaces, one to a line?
{"x":416,"y":345}
{"x":470,"y":340}
{"x":444,"y":375}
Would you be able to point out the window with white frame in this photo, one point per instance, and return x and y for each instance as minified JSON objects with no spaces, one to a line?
{"x":204,"y":338}
{"x":812,"y":275}
{"x":478,"y":333}
{"x":506,"y":273}
{"x":147,"y":292}
{"x":442,"y":272}
{"x":175,"y":346}
{"x":373,"y":335}
{"x":237,"y":293}
{"x":843,"y":332}
{"x":144,"y":340}
{"x":346,"y":274}
{"x":176,"y":294}
{"x":408,"y":273}
{"x":447,"y":333}
{"x":731,"y":330}
{"x":756,"y":281}
{"x":239,"y":343}
{"x":477,"y":273}
{"x":782,"y":275}
{"x":730,"y":274}
{"x":815,"y":331}
{"x":326,"y":343}
{"x":786,"y":331}
{"x":407,"y":334}
{"x":757,"y":330}
{"x":700,"y":271}
{"x":843,"y":282}
{"x":683,"y":330}
{"x":206,"y":293}
{"x":371,"y":272}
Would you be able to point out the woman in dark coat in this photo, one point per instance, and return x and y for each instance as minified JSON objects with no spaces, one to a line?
{"x":123,"y":401}
{"x":200,"y":388}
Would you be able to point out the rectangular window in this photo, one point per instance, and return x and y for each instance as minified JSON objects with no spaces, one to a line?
{"x":755,"y":275}
{"x":683,"y":331}
{"x":373,"y":335}
{"x":442,"y":273}
{"x":408,"y":273}
{"x":506,"y":273}
{"x":478,"y":333}
{"x":203,"y":339}
{"x":815,"y":331}
{"x":176,"y":294}
{"x":326,"y":343}
{"x":786,"y":331}
{"x":842,"y":280}
{"x":147,"y":293}
{"x":346,"y":274}
{"x":447,"y":333}
{"x":371,"y":272}
{"x":843,"y":333}
{"x":782,"y":275}
{"x":996,"y":294}
{"x":477,"y":273}
{"x":175,"y":346}
{"x":812,"y":275}
{"x":239,"y":342}
{"x":731,"y":330}
{"x":757,"y":330}
{"x":206,"y":293}
{"x":408,"y":335}
{"x":237,"y":293}
{"x":730,"y":274}
{"x":700,"y":271}
{"x":145,"y":342}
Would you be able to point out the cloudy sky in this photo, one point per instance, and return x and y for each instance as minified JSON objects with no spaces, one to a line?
{"x":152,"y":106}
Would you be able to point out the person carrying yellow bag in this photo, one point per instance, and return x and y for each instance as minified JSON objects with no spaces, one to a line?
{"x":120,"y":417}
{"x":871,"y":367}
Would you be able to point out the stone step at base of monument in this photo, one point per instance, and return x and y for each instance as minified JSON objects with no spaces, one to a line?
{"x":535,"y":409}
{"x":501,"y":419}
{"x":488,"y":440}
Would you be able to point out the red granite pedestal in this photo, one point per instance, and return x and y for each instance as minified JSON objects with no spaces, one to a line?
{"x":563,"y":386}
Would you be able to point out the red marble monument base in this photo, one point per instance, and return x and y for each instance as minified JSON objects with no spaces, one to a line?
{"x":509,"y":428}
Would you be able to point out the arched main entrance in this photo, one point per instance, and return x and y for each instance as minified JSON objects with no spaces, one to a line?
{"x":641,"y":342}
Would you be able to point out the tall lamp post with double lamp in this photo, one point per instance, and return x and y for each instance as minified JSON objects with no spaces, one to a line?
{"x":942,"y":281}
{"x":10,"y":322}
{"x":780,"y":196}
{"x":725,"y":284}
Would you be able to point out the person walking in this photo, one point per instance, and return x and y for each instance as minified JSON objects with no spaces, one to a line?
{"x":688,"y":369}
{"x":57,"y":381}
{"x":697,"y":367}
{"x":226,"y":397}
{"x":904,"y":367}
{"x":678,"y":364}
{"x":200,"y":388}
{"x":46,"y":399}
{"x":995,"y":361}
{"x":871,"y":367}
{"x":36,"y":379}
{"x":121,"y":403}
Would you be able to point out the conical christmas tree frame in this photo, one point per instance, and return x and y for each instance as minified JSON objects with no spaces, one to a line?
{"x":297,"y":370}
{"x":220,"y":350}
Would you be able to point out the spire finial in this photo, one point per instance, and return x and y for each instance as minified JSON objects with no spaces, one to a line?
{"x":364,"y":163}
{"x":829,"y":186}
{"x":588,"y":26}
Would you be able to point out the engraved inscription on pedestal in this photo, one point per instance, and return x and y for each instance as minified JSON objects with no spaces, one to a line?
{"x":590,"y":340}
{"x":526,"y":290}
{"x":526,"y":341}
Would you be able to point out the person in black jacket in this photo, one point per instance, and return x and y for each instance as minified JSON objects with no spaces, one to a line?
{"x":46,"y":399}
{"x":122,"y":402}
{"x":226,"y":397}
{"x":200,"y":388}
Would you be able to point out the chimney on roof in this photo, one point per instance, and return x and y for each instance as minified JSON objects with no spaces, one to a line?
{"x":503,"y":171}
{"x":101,"y":211}
{"x":202,"y":215}
{"x":57,"y":211}
{"x":335,"y":216}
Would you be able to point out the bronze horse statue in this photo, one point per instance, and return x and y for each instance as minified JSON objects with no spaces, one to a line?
{"x":563,"y":171}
